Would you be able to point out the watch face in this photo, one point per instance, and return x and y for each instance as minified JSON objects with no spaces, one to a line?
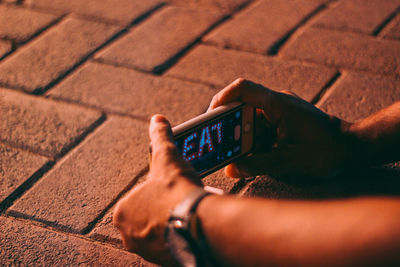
{"x":179,"y":246}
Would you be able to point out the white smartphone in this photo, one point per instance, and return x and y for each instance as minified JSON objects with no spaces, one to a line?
{"x":216,"y":138}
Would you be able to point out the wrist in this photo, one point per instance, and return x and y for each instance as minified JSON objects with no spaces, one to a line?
{"x":186,"y":240}
{"x":359,"y":149}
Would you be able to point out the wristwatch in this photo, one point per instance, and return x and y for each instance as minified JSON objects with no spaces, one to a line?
{"x":184,"y":235}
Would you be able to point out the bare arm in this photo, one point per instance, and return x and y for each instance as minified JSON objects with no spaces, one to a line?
{"x":377,"y":137}
{"x":259,"y":232}
{"x":247,"y":232}
{"x":352,"y":232}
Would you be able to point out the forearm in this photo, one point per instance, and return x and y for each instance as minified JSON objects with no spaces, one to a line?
{"x":248,"y":232}
{"x":376,"y":139}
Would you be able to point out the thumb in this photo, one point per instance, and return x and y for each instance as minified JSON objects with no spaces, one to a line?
{"x":258,"y":164}
{"x":162,"y":141}
{"x":165,"y":155}
{"x":160,"y":131}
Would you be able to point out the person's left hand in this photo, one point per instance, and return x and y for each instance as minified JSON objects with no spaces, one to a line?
{"x":142,"y":215}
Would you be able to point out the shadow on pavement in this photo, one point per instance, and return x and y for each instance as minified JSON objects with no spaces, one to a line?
{"x":377,"y":181}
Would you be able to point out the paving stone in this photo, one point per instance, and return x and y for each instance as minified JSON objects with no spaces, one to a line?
{"x":114,"y":11}
{"x":357,"y":96}
{"x":16,"y":166}
{"x":130,"y":92}
{"x":219,"y":180}
{"x":221,"y":67}
{"x":23,"y":244}
{"x":346,"y":50}
{"x":363,"y":16}
{"x":225,"y":5}
{"x":5,"y":47}
{"x":153,"y":43}
{"x":78,"y":189}
{"x":352,"y":183}
{"x":39,"y":63}
{"x":267,"y":187}
{"x":261,"y":27}
{"x":392,"y":31}
{"x":20,"y":24}
{"x":41,"y":125}
{"x":106,"y":232}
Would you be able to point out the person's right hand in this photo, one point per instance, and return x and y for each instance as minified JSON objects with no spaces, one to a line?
{"x":292,"y":135}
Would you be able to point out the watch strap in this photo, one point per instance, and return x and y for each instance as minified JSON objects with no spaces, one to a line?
{"x":189,"y":204}
{"x":186,"y":240}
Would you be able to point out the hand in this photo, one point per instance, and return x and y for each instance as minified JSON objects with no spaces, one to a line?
{"x":142,"y":215}
{"x":292,"y":135}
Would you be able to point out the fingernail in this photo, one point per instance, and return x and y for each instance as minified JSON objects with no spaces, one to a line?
{"x":158,"y":118}
{"x":233,"y":171}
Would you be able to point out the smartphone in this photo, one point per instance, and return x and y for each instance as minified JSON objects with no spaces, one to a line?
{"x":216,"y":138}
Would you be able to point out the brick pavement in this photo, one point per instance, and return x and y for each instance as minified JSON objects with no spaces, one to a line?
{"x":79,"y":80}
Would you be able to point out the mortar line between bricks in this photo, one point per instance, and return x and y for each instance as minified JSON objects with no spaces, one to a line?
{"x":93,"y":18}
{"x":15,"y":46}
{"x":160,"y":69}
{"x":273,"y":57}
{"x":132,"y":23}
{"x":106,"y":239}
{"x":53,"y":23}
{"x":328,"y":92}
{"x":122,"y":65}
{"x":96,"y":108}
{"x":81,"y":137}
{"x":42,"y":90}
{"x":127,"y":188}
{"x":8,"y":53}
{"x":114,"y":64}
{"x":326,"y":87}
{"x":65,"y":149}
{"x":26,"y":185}
{"x":26,"y":148}
{"x":274,"y":49}
{"x":185,"y":79}
{"x":116,"y":36}
{"x":69,"y":229}
{"x":243,"y":6}
{"x":59,"y":160}
{"x":31,"y":181}
{"x":318,"y":64}
{"x":104,"y":111}
{"x":386,"y":22}
{"x":239,"y":185}
{"x":57,"y":231}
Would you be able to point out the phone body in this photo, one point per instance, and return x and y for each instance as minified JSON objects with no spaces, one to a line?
{"x":214,"y":139}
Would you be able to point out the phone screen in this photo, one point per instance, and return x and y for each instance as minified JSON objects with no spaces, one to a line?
{"x":213,"y":142}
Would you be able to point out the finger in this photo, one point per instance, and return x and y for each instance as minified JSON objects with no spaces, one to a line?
{"x":258,"y":164}
{"x":161,"y":137}
{"x":254,"y":94}
{"x":160,"y":131}
{"x":165,"y":154}
{"x":245,"y":91}
{"x":290,"y":93}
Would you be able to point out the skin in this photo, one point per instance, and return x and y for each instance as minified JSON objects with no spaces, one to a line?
{"x":293,"y":137}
